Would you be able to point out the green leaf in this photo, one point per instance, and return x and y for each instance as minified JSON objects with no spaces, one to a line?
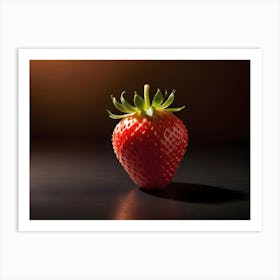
{"x":168,"y":101}
{"x":120,"y":106}
{"x":157,"y":100}
{"x":139,"y":102}
{"x":113,"y":116}
{"x":126,"y":104}
{"x":174,"y":109}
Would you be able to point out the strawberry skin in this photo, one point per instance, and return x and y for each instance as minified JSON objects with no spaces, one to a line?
{"x":151,"y":148}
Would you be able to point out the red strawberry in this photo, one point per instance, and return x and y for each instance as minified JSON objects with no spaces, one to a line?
{"x":149,"y":141}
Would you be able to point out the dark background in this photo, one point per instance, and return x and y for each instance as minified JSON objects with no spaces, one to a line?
{"x":74,"y":173}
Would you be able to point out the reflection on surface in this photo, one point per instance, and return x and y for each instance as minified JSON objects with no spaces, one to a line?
{"x":196,"y":193}
{"x":127,"y":205}
{"x":134,"y":206}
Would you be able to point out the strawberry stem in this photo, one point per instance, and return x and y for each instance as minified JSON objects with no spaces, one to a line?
{"x":146,"y":97}
{"x":143,"y":105}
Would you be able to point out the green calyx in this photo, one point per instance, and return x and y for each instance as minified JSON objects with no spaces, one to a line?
{"x":143,"y":105}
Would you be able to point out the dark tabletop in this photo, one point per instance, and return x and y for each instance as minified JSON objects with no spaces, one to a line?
{"x":80,"y":181}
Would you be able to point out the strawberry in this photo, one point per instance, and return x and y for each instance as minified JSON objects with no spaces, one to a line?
{"x":149,"y":141}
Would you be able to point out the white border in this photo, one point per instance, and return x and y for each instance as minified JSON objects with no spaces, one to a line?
{"x":254,"y":55}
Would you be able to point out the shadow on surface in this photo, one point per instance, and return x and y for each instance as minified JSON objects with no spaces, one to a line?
{"x":196,"y":193}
